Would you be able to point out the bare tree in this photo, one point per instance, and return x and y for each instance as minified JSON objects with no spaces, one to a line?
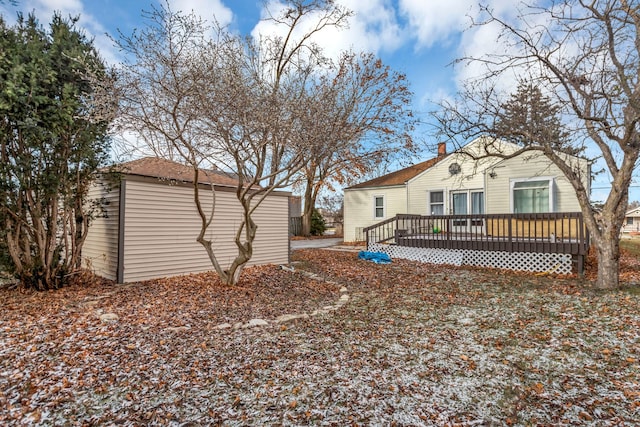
{"x":227,"y":101}
{"x":361,"y":111}
{"x":586,"y":56}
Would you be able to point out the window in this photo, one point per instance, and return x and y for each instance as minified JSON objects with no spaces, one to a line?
{"x":378,"y":206}
{"x":436,"y":202}
{"x":477,"y":202}
{"x":630,"y":220}
{"x":459,"y":206}
{"x":477,"y":207}
{"x":532,"y":196}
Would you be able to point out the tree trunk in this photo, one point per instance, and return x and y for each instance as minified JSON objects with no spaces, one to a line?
{"x":245,"y":249}
{"x":608,"y":263}
{"x":309,"y":204}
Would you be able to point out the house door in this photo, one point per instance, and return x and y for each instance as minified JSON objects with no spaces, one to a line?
{"x":464,"y":203}
{"x":459,"y":206}
{"x":476,"y":225}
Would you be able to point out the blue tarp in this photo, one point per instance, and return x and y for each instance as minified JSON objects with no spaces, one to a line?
{"x":377,"y":257}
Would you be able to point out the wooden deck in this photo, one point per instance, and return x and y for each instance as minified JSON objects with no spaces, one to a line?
{"x":491,"y":243}
{"x":557,"y":233}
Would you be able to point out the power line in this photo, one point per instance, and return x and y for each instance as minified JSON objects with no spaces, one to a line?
{"x":606,"y":188}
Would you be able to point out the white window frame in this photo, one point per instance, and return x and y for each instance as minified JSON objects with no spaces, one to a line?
{"x":444,"y":201}
{"x":375,"y":206}
{"x":550,"y":179}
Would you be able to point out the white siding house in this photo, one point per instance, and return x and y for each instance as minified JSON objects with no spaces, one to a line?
{"x":370,"y":206}
{"x":632,"y":221}
{"x":151,"y":224}
{"x":456,"y":183}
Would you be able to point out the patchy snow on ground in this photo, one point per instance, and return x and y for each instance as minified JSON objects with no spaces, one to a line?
{"x":414,"y":344}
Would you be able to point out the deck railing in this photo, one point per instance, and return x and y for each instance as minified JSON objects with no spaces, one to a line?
{"x":558,"y":232}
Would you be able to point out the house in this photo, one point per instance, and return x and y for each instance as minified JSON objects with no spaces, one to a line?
{"x":150,"y":223}
{"x":631,"y":222}
{"x":464,"y":201}
{"x":455,"y":184}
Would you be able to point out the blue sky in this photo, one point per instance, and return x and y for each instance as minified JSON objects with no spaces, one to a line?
{"x":417,"y":37}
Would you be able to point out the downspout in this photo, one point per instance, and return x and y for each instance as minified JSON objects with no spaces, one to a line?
{"x":406,"y":185}
{"x":484,"y":189}
{"x":121,"y":236}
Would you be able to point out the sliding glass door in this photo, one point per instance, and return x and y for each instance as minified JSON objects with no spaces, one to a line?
{"x":465,"y":203}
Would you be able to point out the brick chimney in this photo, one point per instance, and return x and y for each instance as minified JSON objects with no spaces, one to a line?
{"x":442,"y":149}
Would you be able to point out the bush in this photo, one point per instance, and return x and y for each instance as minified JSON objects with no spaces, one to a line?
{"x":318,"y":227}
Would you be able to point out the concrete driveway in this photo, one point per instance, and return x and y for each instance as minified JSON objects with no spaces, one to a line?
{"x":314,"y":243}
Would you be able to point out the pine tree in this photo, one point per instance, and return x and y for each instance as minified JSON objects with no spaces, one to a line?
{"x":529,"y":118}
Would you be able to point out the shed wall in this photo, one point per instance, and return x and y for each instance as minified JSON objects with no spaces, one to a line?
{"x":162,"y":225}
{"x":100,"y":249}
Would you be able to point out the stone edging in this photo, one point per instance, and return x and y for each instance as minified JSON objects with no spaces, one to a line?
{"x":344,"y":298}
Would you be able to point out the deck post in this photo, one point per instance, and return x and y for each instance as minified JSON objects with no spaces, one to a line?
{"x":366,"y":233}
{"x":509,"y":227}
{"x":580,"y":266}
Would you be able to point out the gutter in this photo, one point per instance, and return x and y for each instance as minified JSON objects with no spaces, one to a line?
{"x":121,"y":219}
{"x":406,"y":186}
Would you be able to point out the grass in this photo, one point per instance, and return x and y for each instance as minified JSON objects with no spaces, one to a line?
{"x":631,"y":245}
{"x":416,"y":344}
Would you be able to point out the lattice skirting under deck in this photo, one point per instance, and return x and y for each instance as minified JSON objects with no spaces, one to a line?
{"x":521,"y":261}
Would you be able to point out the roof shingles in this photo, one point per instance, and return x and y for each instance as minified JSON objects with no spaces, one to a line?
{"x":166,"y":169}
{"x":399,"y":177}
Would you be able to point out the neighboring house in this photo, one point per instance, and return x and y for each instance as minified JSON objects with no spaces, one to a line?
{"x":455,"y":184}
{"x":632,"y":221}
{"x":151,"y":223}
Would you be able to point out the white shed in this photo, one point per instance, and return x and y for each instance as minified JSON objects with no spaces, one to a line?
{"x":150,"y":223}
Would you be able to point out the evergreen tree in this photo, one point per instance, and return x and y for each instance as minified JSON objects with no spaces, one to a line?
{"x":49,"y":146}
{"x":318,"y":226}
{"x":529,"y":118}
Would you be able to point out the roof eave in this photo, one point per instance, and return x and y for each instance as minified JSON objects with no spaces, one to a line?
{"x":373,"y":187}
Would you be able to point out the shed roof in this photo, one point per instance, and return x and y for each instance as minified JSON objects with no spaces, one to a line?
{"x":401,"y":176}
{"x":167,"y":169}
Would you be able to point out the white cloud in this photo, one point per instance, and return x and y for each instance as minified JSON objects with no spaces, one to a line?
{"x":373,"y":28}
{"x":207,"y":9}
{"x":435,"y":21}
{"x":62,"y":5}
{"x":490,"y":41}
{"x":478,"y":42}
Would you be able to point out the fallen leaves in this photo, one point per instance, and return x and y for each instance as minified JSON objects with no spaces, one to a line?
{"x":416,"y":344}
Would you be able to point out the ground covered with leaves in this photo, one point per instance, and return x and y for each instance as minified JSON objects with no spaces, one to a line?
{"x":416,"y":344}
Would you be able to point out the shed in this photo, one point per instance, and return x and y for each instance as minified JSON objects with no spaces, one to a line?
{"x":149,"y":224}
